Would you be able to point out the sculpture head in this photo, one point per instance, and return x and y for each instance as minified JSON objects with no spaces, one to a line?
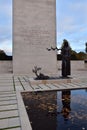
{"x":65,"y":43}
{"x":86,"y":47}
{"x":86,"y":44}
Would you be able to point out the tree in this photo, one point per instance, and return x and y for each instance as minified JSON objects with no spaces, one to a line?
{"x":73,"y":55}
{"x":3,"y":56}
{"x":81,"y":55}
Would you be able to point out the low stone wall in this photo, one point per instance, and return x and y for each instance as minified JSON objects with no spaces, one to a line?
{"x":6,"y":67}
{"x":75,"y":65}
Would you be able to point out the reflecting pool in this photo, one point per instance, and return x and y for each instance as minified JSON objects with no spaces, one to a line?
{"x":57,"y":110}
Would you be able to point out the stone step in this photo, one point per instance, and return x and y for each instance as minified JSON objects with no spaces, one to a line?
{"x":10,"y":123}
{"x":8,"y":107}
{"x":8,"y":114}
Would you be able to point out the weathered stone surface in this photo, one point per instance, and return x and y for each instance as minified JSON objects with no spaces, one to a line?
{"x":5,"y":67}
{"x":34,"y":30}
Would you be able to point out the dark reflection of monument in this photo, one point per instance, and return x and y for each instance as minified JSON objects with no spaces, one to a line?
{"x":66,"y":100}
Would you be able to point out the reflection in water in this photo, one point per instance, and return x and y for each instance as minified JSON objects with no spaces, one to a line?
{"x":41,"y":108}
{"x":52,"y":110}
{"x":66,"y":97}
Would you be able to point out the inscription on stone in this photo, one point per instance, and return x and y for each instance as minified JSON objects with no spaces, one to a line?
{"x":34,"y":30}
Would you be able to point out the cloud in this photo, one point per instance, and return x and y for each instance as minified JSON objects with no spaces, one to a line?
{"x":6,"y":8}
{"x":6,"y":26}
{"x":72,"y":22}
{"x":6,"y":46}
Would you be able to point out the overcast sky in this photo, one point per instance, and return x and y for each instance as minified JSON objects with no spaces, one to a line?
{"x":6,"y":26}
{"x":71,"y":23}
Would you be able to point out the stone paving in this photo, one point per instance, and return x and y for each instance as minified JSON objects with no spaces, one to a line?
{"x":13,"y":115}
{"x":9,"y":115}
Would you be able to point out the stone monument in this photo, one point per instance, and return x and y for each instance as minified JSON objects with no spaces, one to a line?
{"x":34,"y":30}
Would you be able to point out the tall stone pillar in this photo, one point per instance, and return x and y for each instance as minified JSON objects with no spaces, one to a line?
{"x":34,"y":30}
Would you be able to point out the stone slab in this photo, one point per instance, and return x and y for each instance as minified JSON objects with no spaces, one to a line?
{"x":15,"y":129}
{"x":7,"y":98}
{"x":5,"y":114}
{"x":8,"y":123}
{"x":6,"y":88}
{"x":11,"y":107}
{"x":19,"y":88}
{"x":8,"y":102}
{"x":25,"y":123}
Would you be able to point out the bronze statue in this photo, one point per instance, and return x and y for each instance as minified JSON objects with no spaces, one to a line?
{"x":86,"y":47}
{"x":65,"y":52}
{"x":86,"y":53}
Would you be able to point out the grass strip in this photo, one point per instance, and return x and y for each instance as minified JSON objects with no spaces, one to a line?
{"x":7,"y":92}
{"x":14,"y":83}
{"x":28,"y":82}
{"x":7,"y":96}
{"x":8,"y":104}
{"x":8,"y":100}
{"x":8,"y":110}
{"x":10,"y":128}
{"x":21,"y":83}
{"x":9,"y":117}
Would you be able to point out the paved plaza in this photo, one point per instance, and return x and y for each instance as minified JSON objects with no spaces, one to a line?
{"x":13,"y":115}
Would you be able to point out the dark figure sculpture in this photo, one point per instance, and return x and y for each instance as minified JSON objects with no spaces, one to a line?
{"x":86,"y":53}
{"x":86,"y":47}
{"x":65,"y":52}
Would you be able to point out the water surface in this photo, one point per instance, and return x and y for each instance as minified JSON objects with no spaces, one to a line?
{"x":57,"y":110}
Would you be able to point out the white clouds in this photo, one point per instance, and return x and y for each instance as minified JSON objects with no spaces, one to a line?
{"x":6,"y":26}
{"x":79,"y":10}
{"x":5,"y":10}
{"x":6,"y":45}
{"x":66,"y":24}
{"x":71,"y":19}
{"x":72,"y":22}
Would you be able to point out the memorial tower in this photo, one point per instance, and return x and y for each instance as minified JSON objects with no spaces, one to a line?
{"x":34,"y":30}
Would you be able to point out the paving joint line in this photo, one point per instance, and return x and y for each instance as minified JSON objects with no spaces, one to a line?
{"x":55,"y":85}
{"x":14,"y":83}
{"x":10,"y":128}
{"x":7,"y":96}
{"x":8,"y":110}
{"x":7,"y":92}
{"x":64,"y":85}
{"x":9,"y":117}
{"x":21,"y":83}
{"x":78,"y":84}
{"x":28,"y":83}
{"x":48,"y":86}
{"x":8,"y":104}
{"x":8,"y":100}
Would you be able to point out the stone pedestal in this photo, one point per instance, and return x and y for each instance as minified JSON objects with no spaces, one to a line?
{"x":34,"y":30}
